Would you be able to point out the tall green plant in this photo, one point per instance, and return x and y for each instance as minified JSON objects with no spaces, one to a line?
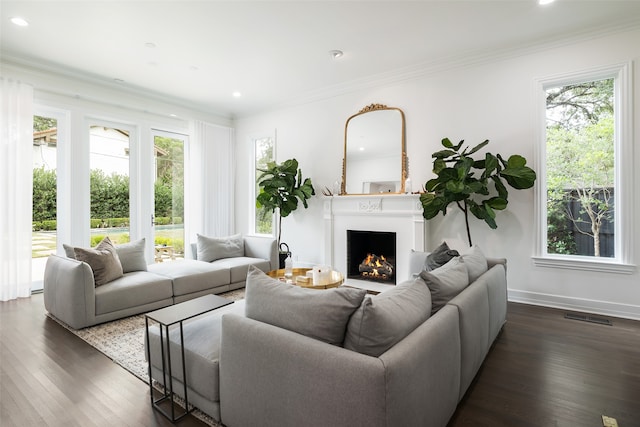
{"x":468,"y":182}
{"x":281,"y":187}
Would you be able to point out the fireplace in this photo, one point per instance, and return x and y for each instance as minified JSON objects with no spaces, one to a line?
{"x":371,"y":255}
{"x":397,"y":213}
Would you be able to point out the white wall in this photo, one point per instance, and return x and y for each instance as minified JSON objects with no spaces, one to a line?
{"x":493,"y":100}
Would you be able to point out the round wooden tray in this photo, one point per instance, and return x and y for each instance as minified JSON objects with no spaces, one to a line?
{"x":337,"y":278}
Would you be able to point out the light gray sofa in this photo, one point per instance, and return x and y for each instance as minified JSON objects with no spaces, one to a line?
{"x":245,"y":372}
{"x":71,"y":296}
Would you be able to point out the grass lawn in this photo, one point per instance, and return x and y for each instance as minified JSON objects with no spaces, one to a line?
{"x":44,"y":242}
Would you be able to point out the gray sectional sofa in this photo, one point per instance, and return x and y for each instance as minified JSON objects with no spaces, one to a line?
{"x":267,"y":360}
{"x":71,"y":294}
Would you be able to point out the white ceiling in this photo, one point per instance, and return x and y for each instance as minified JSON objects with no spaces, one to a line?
{"x":277,"y":53}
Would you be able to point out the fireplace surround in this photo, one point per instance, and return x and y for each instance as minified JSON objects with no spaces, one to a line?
{"x":393,"y":213}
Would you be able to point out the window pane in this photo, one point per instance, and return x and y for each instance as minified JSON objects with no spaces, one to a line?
{"x":45,"y":143}
{"x":109,"y":182}
{"x":169,"y":198}
{"x":264,"y":155}
{"x":580,"y":169}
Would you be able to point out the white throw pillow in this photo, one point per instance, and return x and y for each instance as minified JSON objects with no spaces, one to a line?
{"x":213,"y":248}
{"x":476,"y":263}
{"x":132,"y":256}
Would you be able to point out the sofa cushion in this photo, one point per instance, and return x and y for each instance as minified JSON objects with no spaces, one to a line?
{"x":132,"y":256}
{"x":385,"y":319}
{"x":239,"y":266}
{"x":213,"y":248}
{"x":317,"y":313}
{"x":132,"y":290}
{"x":446,"y":282}
{"x":439,"y":257}
{"x":191,"y":276}
{"x":202,"y":351}
{"x":476,"y":263}
{"x":103,"y":260}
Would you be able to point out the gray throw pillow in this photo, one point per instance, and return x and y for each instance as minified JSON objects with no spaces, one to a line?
{"x":213,"y":248}
{"x":317,"y":313}
{"x":439,"y":257}
{"x":131,"y":256}
{"x":383,"y":320}
{"x":69,"y":251}
{"x":476,"y":263}
{"x":446,"y":282}
{"x":103,"y":260}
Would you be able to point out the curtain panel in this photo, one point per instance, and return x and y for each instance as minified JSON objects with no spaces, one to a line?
{"x":211,"y":181}
{"x":16,"y":187}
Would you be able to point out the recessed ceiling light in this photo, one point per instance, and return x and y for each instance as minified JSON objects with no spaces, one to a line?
{"x":150,"y":45}
{"x":335,"y":54}
{"x":236,"y":94}
{"x":173,"y":115}
{"x":543,"y":2}
{"x":21,"y":22}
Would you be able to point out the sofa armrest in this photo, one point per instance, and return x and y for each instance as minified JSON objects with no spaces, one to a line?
{"x":262,"y":247}
{"x":69,"y":291}
{"x":274,"y":377}
{"x":491,"y":262}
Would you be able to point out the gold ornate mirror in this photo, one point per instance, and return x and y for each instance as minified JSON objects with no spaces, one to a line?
{"x":374,"y":152}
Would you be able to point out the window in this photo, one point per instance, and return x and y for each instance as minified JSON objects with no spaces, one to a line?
{"x":584,"y":205}
{"x":264,"y":152}
{"x":109,"y":183}
{"x":45,"y":194}
{"x":168,"y":199}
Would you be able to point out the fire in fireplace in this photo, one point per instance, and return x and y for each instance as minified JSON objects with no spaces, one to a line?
{"x":371,"y":255}
{"x":375,"y":266}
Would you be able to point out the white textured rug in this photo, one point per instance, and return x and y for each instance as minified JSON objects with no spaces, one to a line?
{"x":123,"y":342}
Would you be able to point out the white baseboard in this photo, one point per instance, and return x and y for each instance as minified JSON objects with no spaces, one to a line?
{"x":624,"y":311}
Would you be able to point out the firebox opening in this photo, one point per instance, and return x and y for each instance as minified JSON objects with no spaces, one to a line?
{"x":371,"y":255}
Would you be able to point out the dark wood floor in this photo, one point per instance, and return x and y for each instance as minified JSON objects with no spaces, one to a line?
{"x":543,"y":370}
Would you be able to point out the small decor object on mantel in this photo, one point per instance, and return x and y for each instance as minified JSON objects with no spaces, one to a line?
{"x":281,"y":186}
{"x":466,"y":181}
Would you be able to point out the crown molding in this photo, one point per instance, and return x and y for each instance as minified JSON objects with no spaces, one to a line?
{"x":460,"y":61}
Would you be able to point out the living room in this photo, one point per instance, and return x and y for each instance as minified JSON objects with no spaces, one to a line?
{"x":480,"y":95}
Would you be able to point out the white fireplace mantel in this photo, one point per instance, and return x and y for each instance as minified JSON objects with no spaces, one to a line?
{"x":398,"y":213}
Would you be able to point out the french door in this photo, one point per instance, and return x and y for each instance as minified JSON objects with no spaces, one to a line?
{"x":168,"y":200}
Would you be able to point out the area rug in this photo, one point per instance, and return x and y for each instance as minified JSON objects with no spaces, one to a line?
{"x":123,"y":342}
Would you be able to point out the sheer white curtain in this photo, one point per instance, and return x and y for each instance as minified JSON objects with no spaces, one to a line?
{"x":16,"y":183}
{"x":210,"y":181}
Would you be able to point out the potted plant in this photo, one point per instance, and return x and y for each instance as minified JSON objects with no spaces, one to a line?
{"x":468,"y":182}
{"x":282,"y":187}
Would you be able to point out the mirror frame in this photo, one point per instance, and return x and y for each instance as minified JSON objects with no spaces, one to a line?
{"x":403,"y":150}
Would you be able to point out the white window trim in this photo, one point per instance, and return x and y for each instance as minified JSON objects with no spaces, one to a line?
{"x":253,"y":176}
{"x":624,"y":166}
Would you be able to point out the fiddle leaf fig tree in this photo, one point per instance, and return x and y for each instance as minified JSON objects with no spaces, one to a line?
{"x":281,"y":187}
{"x":468,"y":182}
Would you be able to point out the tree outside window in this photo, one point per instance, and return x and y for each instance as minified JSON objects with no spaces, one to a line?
{"x":580,"y":167}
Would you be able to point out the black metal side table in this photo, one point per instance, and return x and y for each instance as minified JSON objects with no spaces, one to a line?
{"x":166,"y":317}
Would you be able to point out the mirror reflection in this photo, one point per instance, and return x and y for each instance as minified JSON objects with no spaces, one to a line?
{"x":374,"y":151}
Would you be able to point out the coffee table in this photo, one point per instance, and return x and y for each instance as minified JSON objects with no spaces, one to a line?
{"x":336,"y":278}
{"x":166,"y":317}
